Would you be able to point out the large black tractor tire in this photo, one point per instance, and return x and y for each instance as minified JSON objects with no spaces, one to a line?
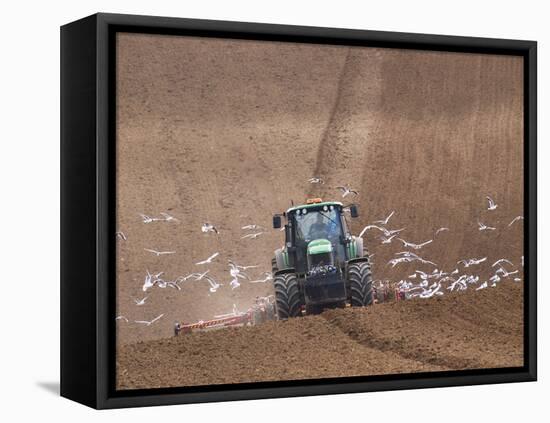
{"x":360,"y":291}
{"x":287,"y":296}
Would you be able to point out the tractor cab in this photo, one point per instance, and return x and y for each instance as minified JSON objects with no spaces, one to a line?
{"x":316,"y":234}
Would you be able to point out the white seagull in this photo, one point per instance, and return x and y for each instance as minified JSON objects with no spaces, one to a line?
{"x":121,"y":318}
{"x":347,"y":191}
{"x":482,"y":286}
{"x":250,"y":227}
{"x":159,"y":253}
{"x":235,"y":272}
{"x":213,"y":284}
{"x":384,"y":230}
{"x":484,"y":227}
{"x":366,"y":228}
{"x":267,"y":277}
{"x":472,"y":261}
{"x":387,"y":239}
{"x":492,"y":204}
{"x":150,"y":280}
{"x":148,"y":219}
{"x":316,"y":180}
{"x":168,"y":218}
{"x":147,"y":322}
{"x":208,"y":227}
{"x":515,"y":220}
{"x":407,"y":244}
{"x":140,"y":302}
{"x":234,"y":283}
{"x":209,"y":259}
{"x":505,"y":273}
{"x":441,"y":230}
{"x":120,"y":235}
{"x":386,"y":220}
{"x":502,"y":261}
{"x":252,"y":236}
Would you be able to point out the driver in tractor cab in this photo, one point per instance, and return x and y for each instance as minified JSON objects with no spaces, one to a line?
{"x":322,"y":228}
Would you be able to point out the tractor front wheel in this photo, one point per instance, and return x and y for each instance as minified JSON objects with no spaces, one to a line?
{"x":360,"y":284}
{"x":287,"y":296}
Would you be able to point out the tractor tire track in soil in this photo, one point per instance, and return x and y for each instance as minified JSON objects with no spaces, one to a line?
{"x":465,"y":330}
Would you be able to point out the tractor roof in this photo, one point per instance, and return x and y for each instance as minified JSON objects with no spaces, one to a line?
{"x":314,"y":205}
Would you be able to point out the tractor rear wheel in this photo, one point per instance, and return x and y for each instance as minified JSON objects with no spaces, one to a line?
{"x":360,"y":284}
{"x":287,"y":296}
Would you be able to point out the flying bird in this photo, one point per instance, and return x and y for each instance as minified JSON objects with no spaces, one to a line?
{"x":492,"y":204}
{"x":252,"y":236}
{"x":484,"y":227}
{"x":247,"y":267}
{"x":148,"y":219}
{"x":366,"y":228}
{"x":383,"y":230}
{"x":168,"y":218}
{"x":347,"y":191}
{"x":408,"y":257}
{"x":472,"y":261}
{"x":167,"y":284}
{"x":121,"y":318}
{"x":267,"y":277}
{"x":495,"y":278}
{"x":515,"y":220}
{"x":140,"y":302}
{"x":316,"y":180}
{"x":387,"y":239}
{"x":502,"y":261}
{"x":208,"y":227}
{"x":393,"y":231}
{"x":249,"y":227}
{"x":209,"y":259}
{"x":148,"y":322}
{"x":386,"y":220}
{"x":407,"y":244}
{"x":235,"y":272}
{"x":482,"y":286}
{"x":120,"y":235}
{"x":441,"y":230}
{"x":150,"y":280}
{"x":505,"y":273}
{"x":159,"y":253}
{"x":213,"y":284}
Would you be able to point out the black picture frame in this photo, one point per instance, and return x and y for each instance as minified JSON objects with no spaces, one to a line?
{"x":87,"y":209}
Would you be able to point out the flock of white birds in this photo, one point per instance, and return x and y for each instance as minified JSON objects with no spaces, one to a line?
{"x":426,"y":284}
{"x":422,"y":284}
{"x":237,"y":272}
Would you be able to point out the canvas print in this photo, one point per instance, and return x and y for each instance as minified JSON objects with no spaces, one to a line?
{"x":293,"y":211}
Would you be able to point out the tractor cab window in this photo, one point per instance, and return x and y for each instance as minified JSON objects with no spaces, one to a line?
{"x":318,"y":224}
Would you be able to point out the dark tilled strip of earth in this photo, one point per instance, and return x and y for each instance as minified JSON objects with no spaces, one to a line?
{"x":462,"y":330}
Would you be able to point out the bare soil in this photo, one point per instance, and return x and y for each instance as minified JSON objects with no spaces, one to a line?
{"x":228,"y":132}
{"x":466,"y":330}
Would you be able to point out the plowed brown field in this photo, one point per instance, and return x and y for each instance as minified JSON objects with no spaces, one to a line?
{"x":228,"y":132}
{"x":467,"y":330}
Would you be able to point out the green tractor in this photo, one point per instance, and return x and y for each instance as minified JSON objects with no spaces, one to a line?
{"x":321,"y":264}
